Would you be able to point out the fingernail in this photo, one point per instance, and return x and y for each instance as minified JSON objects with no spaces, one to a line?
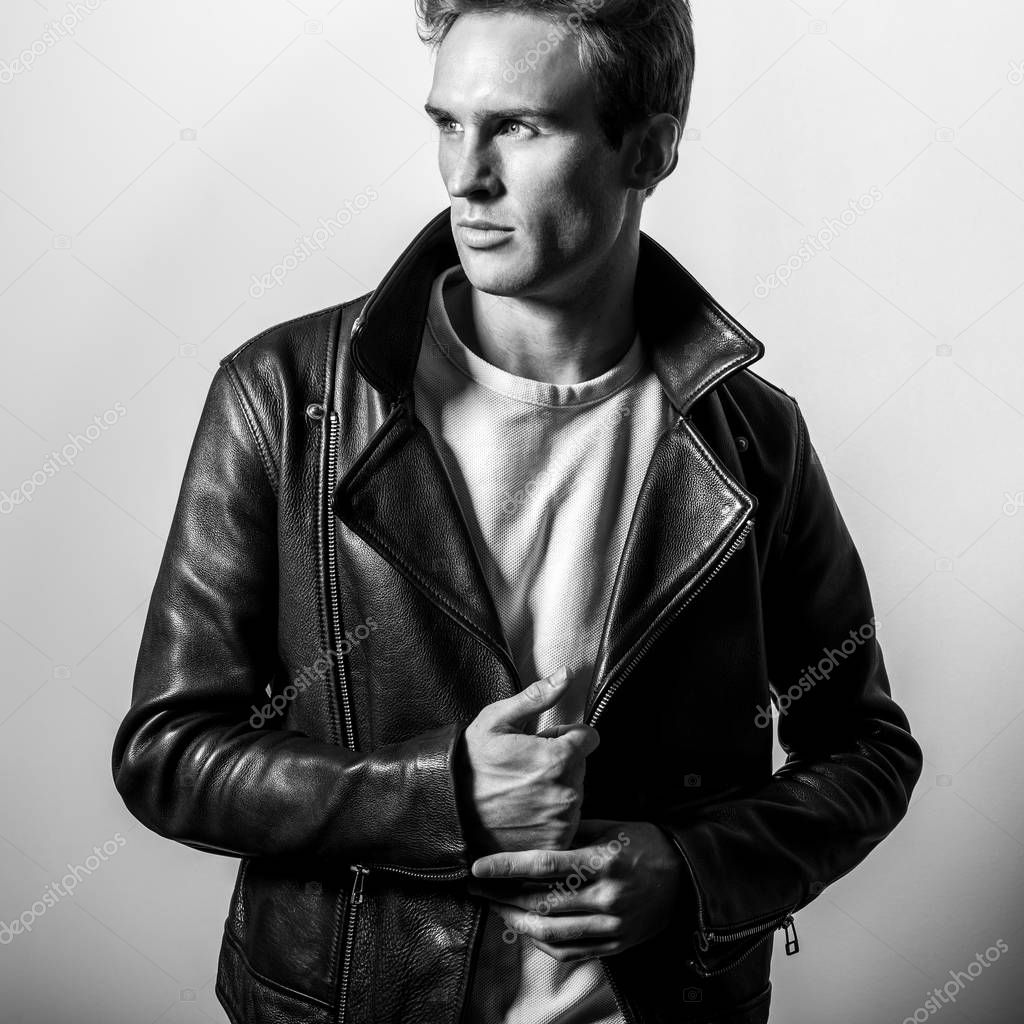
{"x":559,"y":677}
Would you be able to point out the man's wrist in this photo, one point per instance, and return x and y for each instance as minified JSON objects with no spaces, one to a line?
{"x":469,"y":818}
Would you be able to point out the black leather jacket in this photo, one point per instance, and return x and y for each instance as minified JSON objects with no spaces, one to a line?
{"x":320,"y":634}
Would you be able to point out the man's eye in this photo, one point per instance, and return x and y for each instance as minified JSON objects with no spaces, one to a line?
{"x":520,"y":124}
{"x":443,"y":125}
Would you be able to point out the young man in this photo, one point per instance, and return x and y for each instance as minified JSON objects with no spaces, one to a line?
{"x":479,"y":587}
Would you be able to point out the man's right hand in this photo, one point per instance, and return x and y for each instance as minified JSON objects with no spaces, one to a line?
{"x":526,"y":787}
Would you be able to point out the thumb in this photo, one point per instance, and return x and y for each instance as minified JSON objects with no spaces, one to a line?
{"x":514,"y":712}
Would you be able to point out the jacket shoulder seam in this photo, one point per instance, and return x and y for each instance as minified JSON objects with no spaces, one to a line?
{"x":266,"y":458}
{"x":773,"y":386}
{"x":229,"y":364}
{"x":235,"y":353}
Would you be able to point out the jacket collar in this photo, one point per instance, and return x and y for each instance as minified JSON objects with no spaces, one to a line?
{"x":691,"y":513}
{"x":693,"y":343}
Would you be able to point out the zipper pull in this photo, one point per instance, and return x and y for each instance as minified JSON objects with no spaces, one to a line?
{"x":792,"y":945}
{"x":356,"y":896}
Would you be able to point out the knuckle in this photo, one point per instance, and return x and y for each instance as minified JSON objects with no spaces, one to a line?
{"x":567,"y":797}
{"x":605,"y":898}
{"x":546,"y":863}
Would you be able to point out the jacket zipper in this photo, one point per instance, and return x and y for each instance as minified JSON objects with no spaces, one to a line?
{"x":606,"y":695}
{"x":627,"y":1013}
{"x":705,"y":939}
{"x":332,"y":581}
{"x":355,"y":897}
{"x":609,"y":689}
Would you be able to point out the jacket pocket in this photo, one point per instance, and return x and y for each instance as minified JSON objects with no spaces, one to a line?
{"x":286,"y":921}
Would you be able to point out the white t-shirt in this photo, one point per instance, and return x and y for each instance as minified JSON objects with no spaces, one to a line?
{"x":547,"y":476}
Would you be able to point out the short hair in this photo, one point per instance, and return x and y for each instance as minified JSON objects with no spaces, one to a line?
{"x":639,"y":53}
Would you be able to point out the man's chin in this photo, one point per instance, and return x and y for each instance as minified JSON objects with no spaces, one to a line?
{"x":493,"y":273}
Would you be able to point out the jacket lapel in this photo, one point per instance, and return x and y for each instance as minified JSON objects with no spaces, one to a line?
{"x":687,"y":515}
{"x":397,"y":496}
{"x":690,"y":508}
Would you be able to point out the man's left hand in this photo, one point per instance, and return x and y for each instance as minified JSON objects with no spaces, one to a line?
{"x":616,"y":888}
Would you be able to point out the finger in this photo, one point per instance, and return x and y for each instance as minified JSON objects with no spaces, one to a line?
{"x":561,"y":929}
{"x":548,"y":901}
{"x":527,"y":864}
{"x":513,"y":713}
{"x":573,"y":952}
{"x":507,"y":890}
{"x":582,"y":740}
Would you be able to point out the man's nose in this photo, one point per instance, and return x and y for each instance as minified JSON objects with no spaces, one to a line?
{"x":472,"y":169}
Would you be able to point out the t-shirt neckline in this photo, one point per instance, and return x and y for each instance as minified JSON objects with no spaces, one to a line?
{"x":522,"y":389}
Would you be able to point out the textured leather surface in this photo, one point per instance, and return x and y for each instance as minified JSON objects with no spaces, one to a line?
{"x":699,"y":628}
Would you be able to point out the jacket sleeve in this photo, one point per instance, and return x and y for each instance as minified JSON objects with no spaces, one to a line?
{"x":186,"y":759}
{"x":851,"y":762}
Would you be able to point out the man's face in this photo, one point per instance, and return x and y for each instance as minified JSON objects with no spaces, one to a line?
{"x":549,"y":179}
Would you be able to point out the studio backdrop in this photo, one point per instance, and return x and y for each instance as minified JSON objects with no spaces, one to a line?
{"x":175,"y":178}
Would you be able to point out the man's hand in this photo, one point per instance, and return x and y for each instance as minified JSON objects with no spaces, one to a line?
{"x":526,"y":787}
{"x":617,"y":888}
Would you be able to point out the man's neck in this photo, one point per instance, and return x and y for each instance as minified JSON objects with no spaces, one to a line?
{"x":565,"y":344}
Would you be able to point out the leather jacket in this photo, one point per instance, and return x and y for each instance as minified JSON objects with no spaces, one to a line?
{"x":320,"y":634}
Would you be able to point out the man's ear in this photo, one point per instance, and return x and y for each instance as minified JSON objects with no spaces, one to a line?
{"x":655,"y":143}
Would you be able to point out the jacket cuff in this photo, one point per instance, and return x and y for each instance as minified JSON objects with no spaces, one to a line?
{"x":430,"y":824}
{"x":716,"y":946}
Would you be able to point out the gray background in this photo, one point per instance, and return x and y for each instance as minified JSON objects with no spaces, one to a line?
{"x":162,"y":154}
